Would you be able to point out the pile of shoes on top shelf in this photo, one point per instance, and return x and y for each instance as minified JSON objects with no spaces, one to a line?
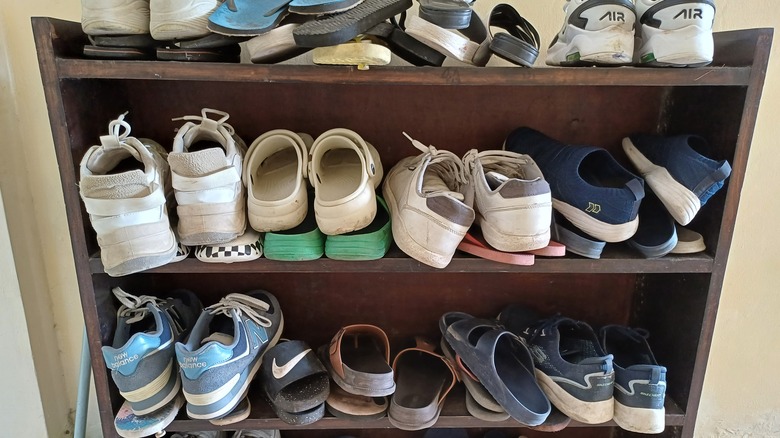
{"x":369,"y":32}
{"x":172,"y":350}
{"x":537,"y":196}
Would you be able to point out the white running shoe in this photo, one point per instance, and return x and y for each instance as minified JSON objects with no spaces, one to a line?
{"x":122,"y":183}
{"x":115,"y":17}
{"x":180,"y":19}
{"x":206,"y":166}
{"x":595,"y":32}
{"x":674,"y":33}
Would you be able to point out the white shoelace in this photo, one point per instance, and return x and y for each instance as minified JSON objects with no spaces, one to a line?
{"x":134,"y":306}
{"x":204,"y":119}
{"x":243,"y":305}
{"x":447,"y":166}
{"x":502,"y":162}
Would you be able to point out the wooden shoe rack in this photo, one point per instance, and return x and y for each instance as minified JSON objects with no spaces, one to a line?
{"x":675,"y":297}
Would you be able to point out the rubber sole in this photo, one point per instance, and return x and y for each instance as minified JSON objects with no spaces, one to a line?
{"x":582,"y":411}
{"x":180,"y":20}
{"x":115,"y":17}
{"x":688,"y":241}
{"x":514,"y":50}
{"x":594,"y":227}
{"x":691,"y":46}
{"x":610,"y":46}
{"x":681,"y":203}
{"x":447,"y":19}
{"x":140,"y":264}
{"x":323,"y":8}
{"x":513,"y":242}
{"x":639,"y":420}
{"x":356,"y":54}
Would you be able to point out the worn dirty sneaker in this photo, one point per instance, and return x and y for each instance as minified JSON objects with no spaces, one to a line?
{"x":141,"y":356}
{"x":180,"y":19}
{"x":511,"y":199}
{"x":674,"y":33}
{"x":595,"y":32}
{"x":571,"y":366}
{"x":425,"y":195}
{"x":206,"y":167}
{"x":677,"y":170}
{"x":224,"y":351}
{"x":115,"y":17}
{"x":124,"y":185}
{"x":640,"y":383}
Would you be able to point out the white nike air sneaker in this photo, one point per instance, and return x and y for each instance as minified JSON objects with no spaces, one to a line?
{"x":675,"y":33}
{"x":595,"y":32}
{"x":115,"y":17}
{"x":180,"y":19}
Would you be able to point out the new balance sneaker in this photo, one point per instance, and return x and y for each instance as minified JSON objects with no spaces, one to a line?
{"x":115,"y":17}
{"x":141,"y":356}
{"x":206,"y":166}
{"x":180,"y":19}
{"x":677,"y":171}
{"x":595,"y":32}
{"x":640,"y":383}
{"x":571,"y":366}
{"x":225,"y":350}
{"x":425,"y":195}
{"x":511,"y":200}
{"x":124,"y":185}
{"x":674,"y":32}
{"x":589,"y":188}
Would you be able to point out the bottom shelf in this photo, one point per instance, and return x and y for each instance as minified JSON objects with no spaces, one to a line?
{"x":453,"y":415}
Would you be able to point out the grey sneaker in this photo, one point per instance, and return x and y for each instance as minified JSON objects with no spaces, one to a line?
{"x":640,"y":383}
{"x":425,"y":195}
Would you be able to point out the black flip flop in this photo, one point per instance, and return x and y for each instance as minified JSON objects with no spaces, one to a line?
{"x":448,"y":14}
{"x":296,"y":383}
{"x":118,"y":53}
{"x":340,"y":28}
{"x":212,"y":41}
{"x":407,"y":47}
{"x":222,"y":54}
{"x":521,"y":44}
{"x":503,"y":365}
{"x":141,"y":41}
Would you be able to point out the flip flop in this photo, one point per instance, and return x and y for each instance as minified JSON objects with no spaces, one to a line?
{"x":353,"y":407}
{"x":448,"y":14}
{"x":244,"y":248}
{"x":129,"y":425}
{"x":520,"y":43}
{"x":357,"y":359}
{"x":118,"y":53}
{"x":362,"y":53}
{"x":369,"y":243}
{"x":221,"y":54}
{"x":424,"y":378}
{"x":340,"y":28}
{"x":473,"y":244}
{"x":301,"y":243}
{"x":470,"y":46}
{"x":321,"y":7}
{"x":275,"y":46}
{"x":575,"y":240}
{"x":211,"y":41}
{"x":480,"y":412}
{"x":295,"y":382}
{"x":410,"y":49}
{"x":247,"y":17}
{"x":139,"y":41}
{"x":503,"y":365}
{"x":239,"y":413}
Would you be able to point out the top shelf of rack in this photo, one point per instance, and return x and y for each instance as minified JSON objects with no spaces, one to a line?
{"x":735,"y":54}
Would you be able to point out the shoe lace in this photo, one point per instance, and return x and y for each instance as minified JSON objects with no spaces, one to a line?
{"x":447,"y":166}
{"x":243,"y":305}
{"x":544,"y":326}
{"x":133,"y":306}
{"x":209,"y":123}
{"x":505,"y":163}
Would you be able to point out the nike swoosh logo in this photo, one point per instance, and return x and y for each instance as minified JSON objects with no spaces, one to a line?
{"x":281,"y":371}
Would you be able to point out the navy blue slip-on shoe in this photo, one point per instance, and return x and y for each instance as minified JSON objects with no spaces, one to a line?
{"x":575,"y":240}
{"x":592,"y":190}
{"x":675,"y":168}
{"x":571,"y":367}
{"x":657,"y":234}
{"x":640,"y":383}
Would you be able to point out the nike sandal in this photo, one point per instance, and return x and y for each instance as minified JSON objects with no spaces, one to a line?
{"x":520,"y":43}
{"x":295,"y":382}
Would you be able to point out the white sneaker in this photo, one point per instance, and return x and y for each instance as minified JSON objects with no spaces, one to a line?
{"x":345,"y":171}
{"x":595,"y":32}
{"x":127,"y":208}
{"x":511,"y":198}
{"x":425,"y":195}
{"x":206,"y":166}
{"x":275,"y":172}
{"x":115,"y":17}
{"x":674,"y":33}
{"x":180,"y":19}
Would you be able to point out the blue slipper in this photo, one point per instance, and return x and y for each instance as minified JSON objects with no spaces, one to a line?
{"x":247,"y":17}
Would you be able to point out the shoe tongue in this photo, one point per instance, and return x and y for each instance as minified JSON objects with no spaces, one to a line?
{"x":130,"y":184}
{"x":495,"y":179}
{"x":197,"y":163}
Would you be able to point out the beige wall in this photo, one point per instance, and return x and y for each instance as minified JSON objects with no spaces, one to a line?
{"x":740,"y":394}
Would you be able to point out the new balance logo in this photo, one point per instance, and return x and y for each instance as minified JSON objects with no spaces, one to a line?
{"x":614,"y":16}
{"x":690,"y":14}
{"x":593,"y":208}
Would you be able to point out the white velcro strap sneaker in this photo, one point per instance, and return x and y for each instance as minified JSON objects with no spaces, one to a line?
{"x":275,"y":172}
{"x":206,"y":165}
{"x":345,"y":171}
{"x":127,"y":208}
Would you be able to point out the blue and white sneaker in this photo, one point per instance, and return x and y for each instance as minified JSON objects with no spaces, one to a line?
{"x":141,"y":357}
{"x":571,"y":367}
{"x":225,"y":350}
{"x":677,"y":171}
{"x":640,"y":383}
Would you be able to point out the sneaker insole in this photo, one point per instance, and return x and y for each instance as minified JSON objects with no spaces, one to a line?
{"x":276,"y":176}
{"x":202,"y":145}
{"x":126,"y":165}
{"x":361,"y":353}
{"x":340,"y":174}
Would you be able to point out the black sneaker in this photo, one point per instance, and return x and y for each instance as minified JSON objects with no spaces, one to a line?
{"x":571,"y":367}
{"x":640,"y":383}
